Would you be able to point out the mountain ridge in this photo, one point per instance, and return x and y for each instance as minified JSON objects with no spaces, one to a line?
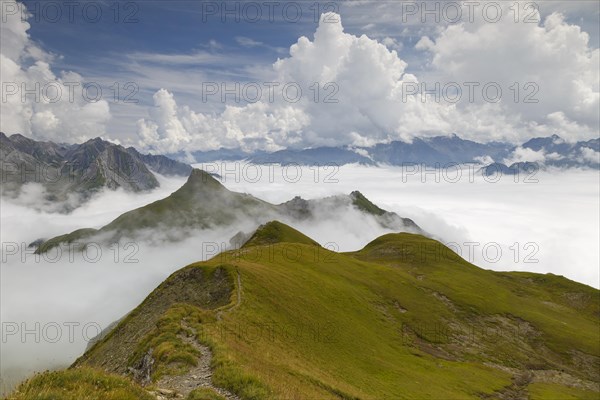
{"x":358,"y":325}
{"x":436,"y":151}
{"x":205,"y":203}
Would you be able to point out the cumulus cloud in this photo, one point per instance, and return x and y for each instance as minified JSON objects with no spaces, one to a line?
{"x":48,"y":110}
{"x":392,"y":43}
{"x":364,"y":95}
{"x":255,"y":126}
{"x":350,"y":89}
{"x":553,"y":54}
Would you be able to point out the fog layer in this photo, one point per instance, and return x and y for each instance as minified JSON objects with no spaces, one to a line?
{"x":51,"y":308}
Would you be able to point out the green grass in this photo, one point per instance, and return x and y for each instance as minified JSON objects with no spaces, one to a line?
{"x":73,"y":237}
{"x":204,"y":394}
{"x":148,"y":326}
{"x":548,"y":391}
{"x":276,"y":232}
{"x":364,"y":204}
{"x":403,"y":318}
{"x":79,"y":384}
{"x":172,"y":355}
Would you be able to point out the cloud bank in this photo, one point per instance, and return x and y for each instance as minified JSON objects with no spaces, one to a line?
{"x":373,"y":98}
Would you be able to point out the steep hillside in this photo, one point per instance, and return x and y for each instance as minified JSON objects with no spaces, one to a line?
{"x":403,"y":318}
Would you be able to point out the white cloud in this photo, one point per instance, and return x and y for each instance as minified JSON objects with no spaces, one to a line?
{"x":590,"y":155}
{"x":57,"y":109}
{"x":484,"y":160}
{"x":360,"y":75}
{"x":368,"y":75}
{"x":560,"y":215}
{"x":553,"y":54}
{"x":247,"y":42}
{"x":392,"y":43}
{"x":366,"y":79}
{"x":198,"y":57}
{"x":255,"y":126}
{"x":523,"y":154}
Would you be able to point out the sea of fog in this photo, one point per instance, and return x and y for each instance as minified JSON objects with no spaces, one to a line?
{"x":544,"y":221}
{"x":49,"y":309}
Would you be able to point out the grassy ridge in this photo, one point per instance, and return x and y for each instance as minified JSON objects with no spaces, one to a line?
{"x":404,"y":318}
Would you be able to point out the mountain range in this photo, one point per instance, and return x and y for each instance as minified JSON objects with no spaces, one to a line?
{"x":434,"y":151}
{"x":386,"y":322}
{"x":80,"y":169}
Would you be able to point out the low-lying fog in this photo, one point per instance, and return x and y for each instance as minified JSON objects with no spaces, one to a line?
{"x":547,"y":221}
{"x":546,"y":226}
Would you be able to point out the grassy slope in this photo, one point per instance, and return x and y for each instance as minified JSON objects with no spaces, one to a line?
{"x":313,"y":324}
{"x":276,"y":232}
{"x":80,"y":384}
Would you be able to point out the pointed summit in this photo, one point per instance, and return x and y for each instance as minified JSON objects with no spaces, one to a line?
{"x":199,"y":181}
{"x":277,"y":232}
{"x":364,"y":204}
{"x":199,"y":176}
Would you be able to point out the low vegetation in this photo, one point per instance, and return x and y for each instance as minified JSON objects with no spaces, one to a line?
{"x":80,"y":384}
{"x":403,"y":318}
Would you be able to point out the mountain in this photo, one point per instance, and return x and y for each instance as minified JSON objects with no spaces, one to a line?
{"x":435,"y":151}
{"x":556,"y":152}
{"x":80,"y":169}
{"x":162,"y":164}
{"x":316,"y":156}
{"x":221,"y":154}
{"x":429,"y":151}
{"x":525,"y":169}
{"x":275,"y":232}
{"x":551,"y":144}
{"x":390,"y":321}
{"x":563,"y":154}
{"x":204,"y":203}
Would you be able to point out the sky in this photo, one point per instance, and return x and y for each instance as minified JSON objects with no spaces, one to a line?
{"x":169,"y":76}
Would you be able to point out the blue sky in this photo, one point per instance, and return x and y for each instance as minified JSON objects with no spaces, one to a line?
{"x":175,"y":46}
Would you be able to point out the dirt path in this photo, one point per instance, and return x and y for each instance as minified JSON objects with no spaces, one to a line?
{"x":201,"y":375}
{"x":198,"y":377}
